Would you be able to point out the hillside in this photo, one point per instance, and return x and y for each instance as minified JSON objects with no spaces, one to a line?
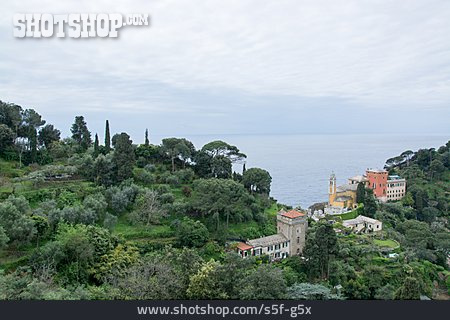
{"x":80,"y":219}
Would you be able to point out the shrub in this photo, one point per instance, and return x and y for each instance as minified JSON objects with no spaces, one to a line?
{"x":167,"y":198}
{"x":173,"y":180}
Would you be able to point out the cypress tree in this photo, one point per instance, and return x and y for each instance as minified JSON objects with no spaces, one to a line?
{"x":147,"y":142}
{"x":96,"y":146}
{"x":107,"y":138}
{"x":360,"y":193}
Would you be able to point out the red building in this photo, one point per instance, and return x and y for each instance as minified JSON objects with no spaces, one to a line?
{"x":378,"y":182}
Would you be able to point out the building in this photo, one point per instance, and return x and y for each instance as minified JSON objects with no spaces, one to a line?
{"x":359,"y":179}
{"x":363,"y":224}
{"x":396,"y":188}
{"x":386,"y":187}
{"x":378,"y":183}
{"x":290,"y":239}
{"x":343,"y":196}
{"x":275,"y":246}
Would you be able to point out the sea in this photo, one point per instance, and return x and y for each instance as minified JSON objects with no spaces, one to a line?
{"x":300,"y":165}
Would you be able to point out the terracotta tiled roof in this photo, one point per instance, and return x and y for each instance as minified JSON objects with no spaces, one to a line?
{"x":243,"y":246}
{"x":292,"y":214}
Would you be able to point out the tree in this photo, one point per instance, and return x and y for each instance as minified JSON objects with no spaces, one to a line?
{"x":429,"y":214}
{"x":47,"y":135}
{"x":230,"y":273}
{"x":370,"y":204}
{"x":221,"y":167}
{"x":263,"y":283}
{"x":11,"y":116}
{"x":221,"y":148}
{"x":225,"y":197}
{"x":320,"y":248}
{"x":124,"y":156}
{"x":6,"y":138}
{"x":3,"y":238}
{"x":148,"y":208}
{"x":407,"y":155}
{"x":15,"y":219}
{"x":147,"y":141}
{"x":191,"y":233}
{"x":150,"y":278}
{"x":410,"y":290}
{"x":360,"y":193}
{"x":309,"y":291}
{"x":204,"y":284}
{"x":31,"y":122}
{"x":80,"y":133}
{"x":436,"y":169}
{"x":115,"y":263}
{"x":257,"y":180}
{"x":104,"y":169}
{"x":177,"y":148}
{"x":357,"y":290}
{"x":107,"y":138}
{"x":203,"y":165}
{"x":386,"y":292}
{"x":96,"y":146}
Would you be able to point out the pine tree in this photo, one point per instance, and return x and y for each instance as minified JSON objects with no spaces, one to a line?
{"x":80,"y":133}
{"x":147,"y":142}
{"x":96,"y":146}
{"x":107,"y":138}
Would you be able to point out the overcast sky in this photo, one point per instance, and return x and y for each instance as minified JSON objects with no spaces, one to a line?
{"x":240,"y":66}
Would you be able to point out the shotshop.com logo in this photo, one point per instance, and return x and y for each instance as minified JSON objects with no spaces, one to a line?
{"x":74,"y":25}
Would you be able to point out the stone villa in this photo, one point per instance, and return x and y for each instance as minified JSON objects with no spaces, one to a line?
{"x":290,"y":239}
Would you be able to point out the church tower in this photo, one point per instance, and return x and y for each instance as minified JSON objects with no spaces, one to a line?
{"x":332,"y":189}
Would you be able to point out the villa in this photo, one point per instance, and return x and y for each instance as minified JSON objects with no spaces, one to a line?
{"x":396,"y":188}
{"x":290,"y":239}
{"x":363,"y":224}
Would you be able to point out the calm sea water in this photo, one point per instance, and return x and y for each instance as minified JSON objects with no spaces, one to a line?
{"x":300,"y":165}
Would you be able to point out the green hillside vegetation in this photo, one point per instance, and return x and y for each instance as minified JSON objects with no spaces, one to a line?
{"x":84,"y":219}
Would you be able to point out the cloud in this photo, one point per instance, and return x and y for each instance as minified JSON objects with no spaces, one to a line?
{"x":374,"y":55}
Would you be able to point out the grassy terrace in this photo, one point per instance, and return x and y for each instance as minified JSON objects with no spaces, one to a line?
{"x":388,"y":243}
{"x":141,"y":232}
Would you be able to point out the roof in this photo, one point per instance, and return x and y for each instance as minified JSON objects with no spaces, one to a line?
{"x":268,"y":241}
{"x":376,"y":170}
{"x":359,"y":178}
{"x":243,"y":246}
{"x":347,"y":187}
{"x":395,"y":178}
{"x":360,"y":219}
{"x":292,"y":214}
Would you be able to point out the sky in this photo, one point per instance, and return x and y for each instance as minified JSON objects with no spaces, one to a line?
{"x":239,"y":67}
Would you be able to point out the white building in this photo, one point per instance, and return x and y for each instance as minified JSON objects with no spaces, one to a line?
{"x":395,"y":188}
{"x":363,"y":224}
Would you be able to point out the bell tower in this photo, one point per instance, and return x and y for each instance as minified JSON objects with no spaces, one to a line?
{"x":332,"y":189}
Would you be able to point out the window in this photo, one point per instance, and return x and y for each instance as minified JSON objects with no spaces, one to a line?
{"x":298,"y":239}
